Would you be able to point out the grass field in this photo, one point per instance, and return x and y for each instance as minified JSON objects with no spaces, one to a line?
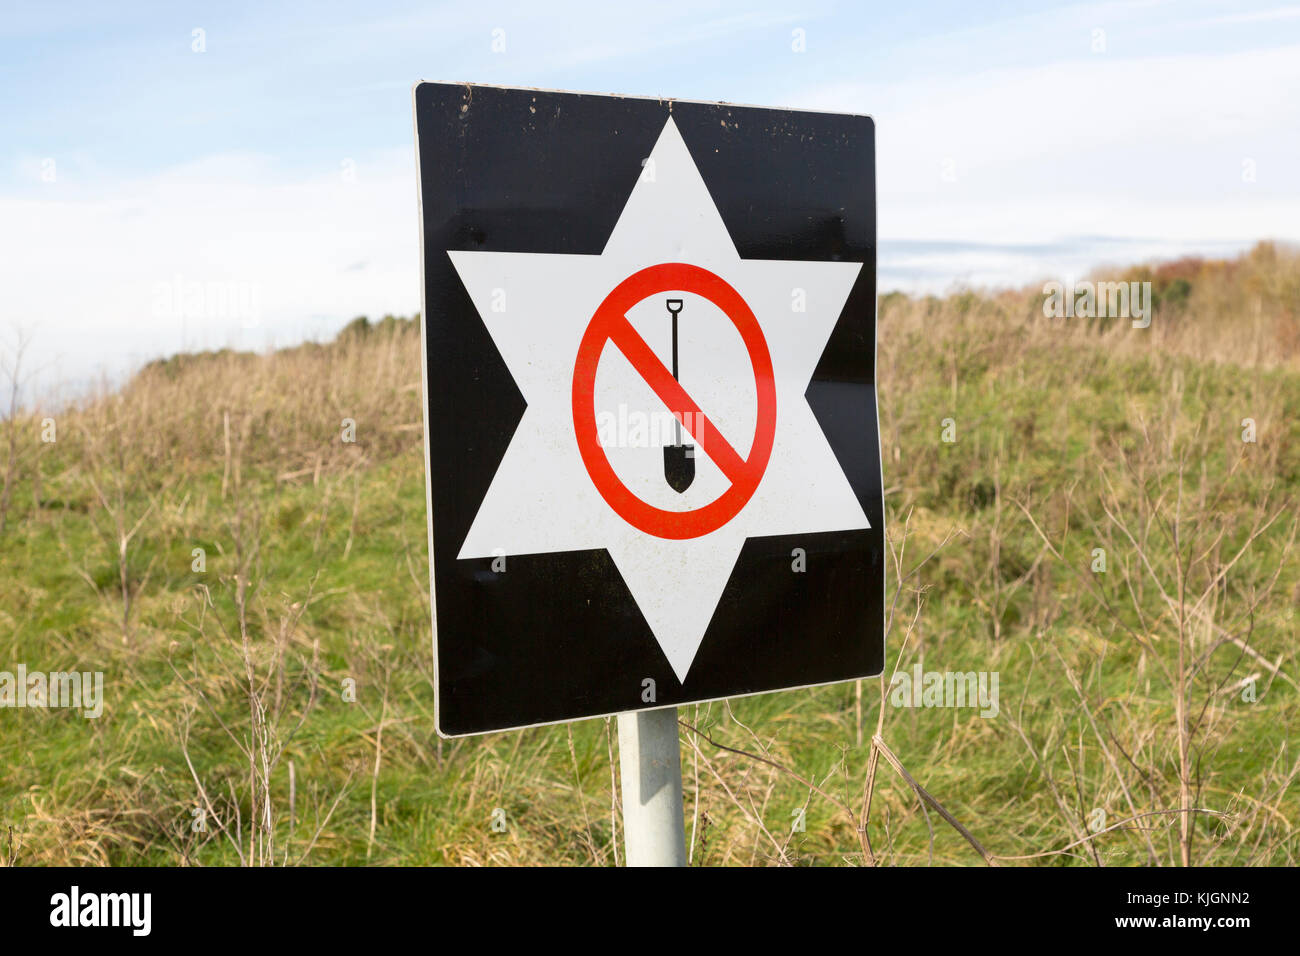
{"x":269,"y":698}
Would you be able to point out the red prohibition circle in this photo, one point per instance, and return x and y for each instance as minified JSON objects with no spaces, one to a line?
{"x":610,"y":325}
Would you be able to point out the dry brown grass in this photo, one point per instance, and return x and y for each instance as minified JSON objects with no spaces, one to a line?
{"x":1121,"y":693}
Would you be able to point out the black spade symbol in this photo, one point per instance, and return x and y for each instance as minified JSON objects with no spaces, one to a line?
{"x":679,"y":459}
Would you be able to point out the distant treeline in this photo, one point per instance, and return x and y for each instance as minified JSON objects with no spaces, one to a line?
{"x":358,"y":330}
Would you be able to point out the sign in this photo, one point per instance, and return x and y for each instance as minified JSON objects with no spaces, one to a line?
{"x":610,"y":326}
{"x":650,"y":409}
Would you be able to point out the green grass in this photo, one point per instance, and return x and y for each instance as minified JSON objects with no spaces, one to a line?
{"x":1049,"y":425}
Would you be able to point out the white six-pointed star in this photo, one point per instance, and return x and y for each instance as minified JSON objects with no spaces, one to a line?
{"x":542,"y":498}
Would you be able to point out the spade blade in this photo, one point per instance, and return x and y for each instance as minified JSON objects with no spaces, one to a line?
{"x":679,"y":466}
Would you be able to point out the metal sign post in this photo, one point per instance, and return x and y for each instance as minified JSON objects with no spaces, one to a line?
{"x":649,"y":754}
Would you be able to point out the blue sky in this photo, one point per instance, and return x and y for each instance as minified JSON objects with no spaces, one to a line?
{"x":1017,"y":141}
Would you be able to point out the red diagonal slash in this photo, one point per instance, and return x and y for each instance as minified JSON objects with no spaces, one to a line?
{"x":610,"y":325}
{"x":671,"y":393}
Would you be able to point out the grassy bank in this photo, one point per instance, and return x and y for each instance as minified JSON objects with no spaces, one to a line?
{"x":254,"y":588}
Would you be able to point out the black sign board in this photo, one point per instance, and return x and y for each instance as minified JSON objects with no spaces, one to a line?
{"x":650,"y":405}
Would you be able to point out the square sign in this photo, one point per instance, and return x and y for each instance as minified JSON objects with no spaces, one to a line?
{"x":650,"y":402}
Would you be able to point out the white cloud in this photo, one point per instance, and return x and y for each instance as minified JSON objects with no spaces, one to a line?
{"x":1255,"y":16}
{"x":91,"y":274}
{"x":1150,"y":149}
